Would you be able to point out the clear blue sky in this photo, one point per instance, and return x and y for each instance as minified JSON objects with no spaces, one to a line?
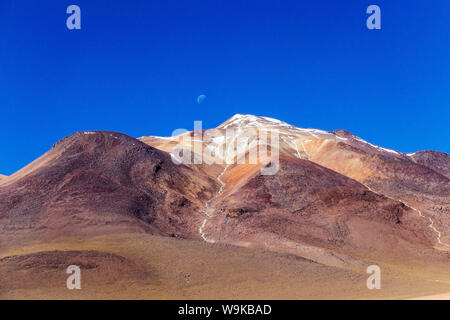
{"x":138,"y":66}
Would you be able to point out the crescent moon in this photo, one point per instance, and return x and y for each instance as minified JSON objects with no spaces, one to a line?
{"x":201,"y":98}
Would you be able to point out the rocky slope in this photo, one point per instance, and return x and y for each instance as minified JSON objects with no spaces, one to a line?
{"x":417,"y":183}
{"x":102,"y":182}
{"x":306,"y":208}
{"x":438,"y":161}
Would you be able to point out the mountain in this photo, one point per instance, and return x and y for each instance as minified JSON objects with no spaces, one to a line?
{"x":438,"y":161}
{"x":251,"y":196}
{"x":419,"y":186}
{"x":93,"y":183}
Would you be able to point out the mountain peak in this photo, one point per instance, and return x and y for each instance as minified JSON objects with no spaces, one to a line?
{"x":248,"y":120}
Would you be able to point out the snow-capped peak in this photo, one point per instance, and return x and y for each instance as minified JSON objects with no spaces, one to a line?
{"x":248,"y":120}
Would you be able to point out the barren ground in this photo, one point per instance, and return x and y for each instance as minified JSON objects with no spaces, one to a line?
{"x":128,"y":266}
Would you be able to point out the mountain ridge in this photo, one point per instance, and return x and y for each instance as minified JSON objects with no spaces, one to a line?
{"x":400,"y":176}
{"x":336,"y":202}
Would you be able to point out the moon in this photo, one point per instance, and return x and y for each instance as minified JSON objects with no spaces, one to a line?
{"x":201,"y":98}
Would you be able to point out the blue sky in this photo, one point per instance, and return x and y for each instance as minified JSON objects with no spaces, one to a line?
{"x":138,"y":67}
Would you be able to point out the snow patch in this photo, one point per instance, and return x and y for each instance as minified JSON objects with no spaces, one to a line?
{"x":376,"y":147}
{"x":156,"y":137}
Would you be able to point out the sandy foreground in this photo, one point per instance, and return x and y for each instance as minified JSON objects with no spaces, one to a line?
{"x":150,"y":267}
{"x":444,"y":296}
